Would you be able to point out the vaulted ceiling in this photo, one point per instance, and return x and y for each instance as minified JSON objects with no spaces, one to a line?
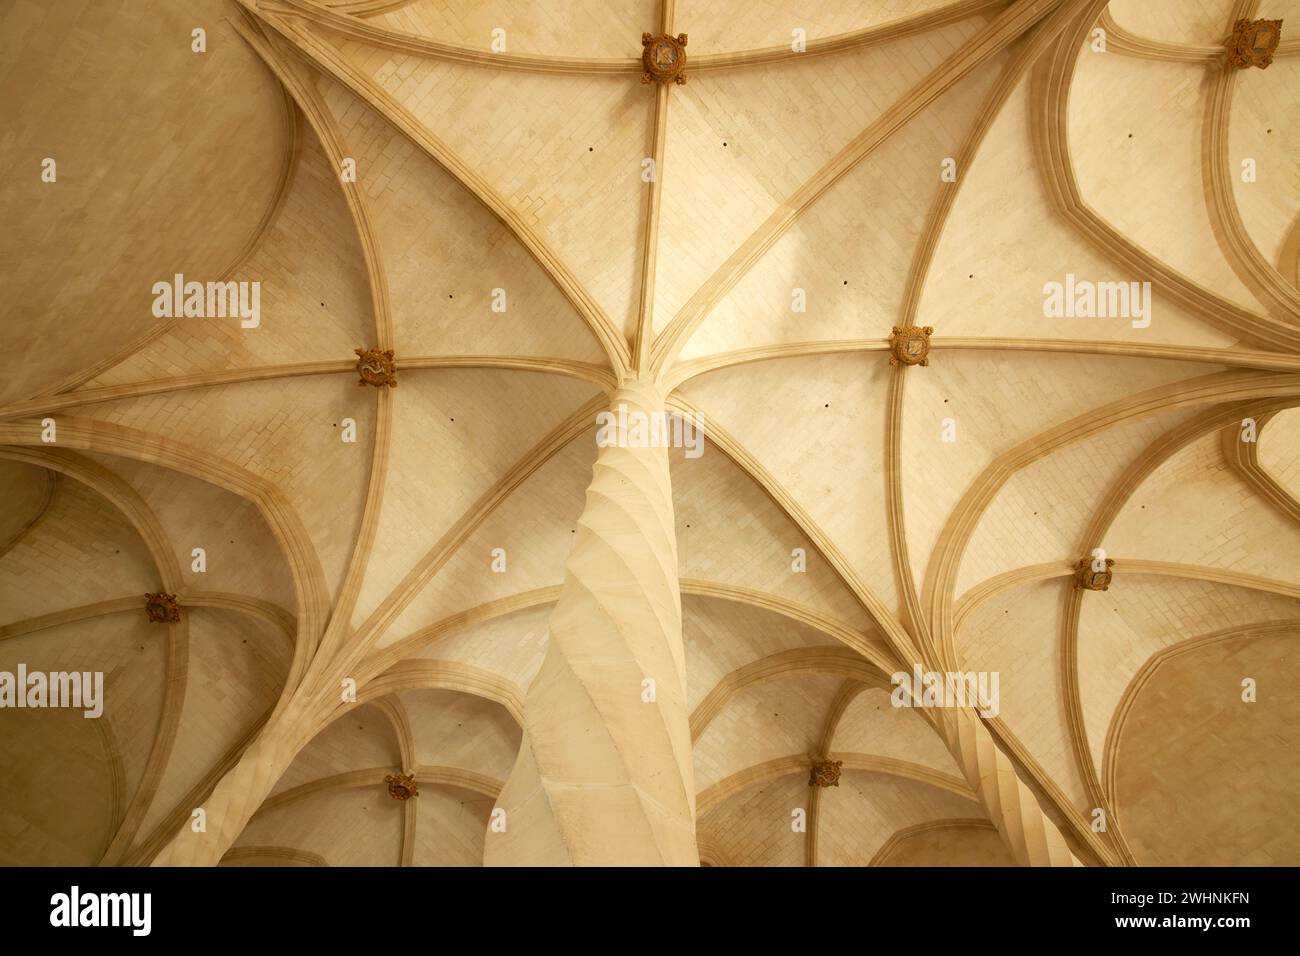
{"x":944,"y":505}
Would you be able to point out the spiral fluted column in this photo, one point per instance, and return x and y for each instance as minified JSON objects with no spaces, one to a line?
{"x":604,"y":773}
{"x":233,"y":801}
{"x":1033,"y":839}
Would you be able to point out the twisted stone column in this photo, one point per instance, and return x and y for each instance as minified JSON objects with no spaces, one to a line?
{"x":1032,"y":838}
{"x":603,"y":776}
{"x":233,"y":801}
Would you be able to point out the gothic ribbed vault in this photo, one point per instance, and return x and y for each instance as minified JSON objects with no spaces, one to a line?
{"x":746,"y":242}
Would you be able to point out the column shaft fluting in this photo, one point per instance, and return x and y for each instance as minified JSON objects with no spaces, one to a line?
{"x":604,"y":773}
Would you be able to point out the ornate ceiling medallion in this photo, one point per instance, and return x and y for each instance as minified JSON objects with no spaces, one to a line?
{"x":1253,"y":43}
{"x":402,"y":786}
{"x":825,"y":773}
{"x":664,"y":58}
{"x":910,"y":345}
{"x":162,"y":608}
{"x":376,"y":368}
{"x":1090,"y":579}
